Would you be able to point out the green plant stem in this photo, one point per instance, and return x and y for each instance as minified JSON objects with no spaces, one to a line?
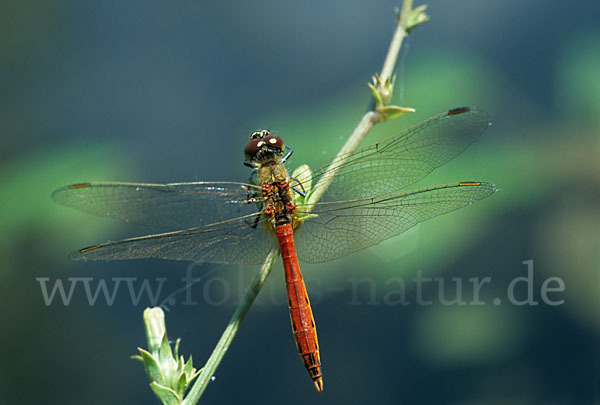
{"x":362,"y":129}
{"x":230,"y":331}
{"x":399,"y":34}
{"x":371,"y":117}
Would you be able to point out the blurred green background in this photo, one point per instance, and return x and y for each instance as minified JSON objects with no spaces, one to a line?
{"x":155,"y":91}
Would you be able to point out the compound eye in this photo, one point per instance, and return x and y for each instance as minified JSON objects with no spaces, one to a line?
{"x":274,"y":141}
{"x":253,"y":147}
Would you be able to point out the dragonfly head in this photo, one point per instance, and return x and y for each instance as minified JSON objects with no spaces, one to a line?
{"x":263,"y":145}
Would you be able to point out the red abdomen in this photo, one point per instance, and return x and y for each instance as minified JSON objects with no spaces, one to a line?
{"x":303,"y":323}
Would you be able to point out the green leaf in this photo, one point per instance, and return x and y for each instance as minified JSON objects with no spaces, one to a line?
{"x":182,"y":385}
{"x":415,"y":17}
{"x":165,"y":355}
{"x":376,"y":95}
{"x":152,"y":368}
{"x":166,"y":395}
{"x":176,"y":350}
{"x":189,"y":368}
{"x":180,"y":365}
{"x":393,"y":111}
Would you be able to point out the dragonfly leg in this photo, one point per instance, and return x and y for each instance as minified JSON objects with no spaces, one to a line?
{"x":301,"y":192}
{"x":255,"y":223}
{"x":250,"y":164}
{"x":287,"y":155}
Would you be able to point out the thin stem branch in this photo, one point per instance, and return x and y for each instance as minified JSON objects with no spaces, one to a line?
{"x":230,"y":331}
{"x":360,"y":131}
{"x":371,"y":117}
{"x":399,"y":34}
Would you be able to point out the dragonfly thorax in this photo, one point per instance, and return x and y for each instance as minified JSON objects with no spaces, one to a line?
{"x":263,"y":146}
{"x":278,"y":204}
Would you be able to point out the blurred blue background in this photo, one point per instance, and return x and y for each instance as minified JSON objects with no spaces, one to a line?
{"x":154,"y":91}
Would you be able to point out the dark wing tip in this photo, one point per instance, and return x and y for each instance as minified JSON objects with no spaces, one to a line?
{"x":458,"y":110}
{"x":464,"y":110}
{"x":474,"y":114}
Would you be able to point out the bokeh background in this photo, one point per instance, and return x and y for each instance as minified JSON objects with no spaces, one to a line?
{"x":155,"y":91}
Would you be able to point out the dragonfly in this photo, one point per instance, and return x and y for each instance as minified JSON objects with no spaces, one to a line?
{"x":365,"y":203}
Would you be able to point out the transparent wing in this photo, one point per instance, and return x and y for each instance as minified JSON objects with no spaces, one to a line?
{"x":343,"y":227}
{"x":405,"y":158}
{"x":241,"y":240}
{"x":175,"y":206}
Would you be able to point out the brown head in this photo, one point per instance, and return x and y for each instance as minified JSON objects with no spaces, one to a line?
{"x":263,"y":146}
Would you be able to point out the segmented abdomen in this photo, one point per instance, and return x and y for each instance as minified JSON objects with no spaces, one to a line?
{"x":303,"y":323}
